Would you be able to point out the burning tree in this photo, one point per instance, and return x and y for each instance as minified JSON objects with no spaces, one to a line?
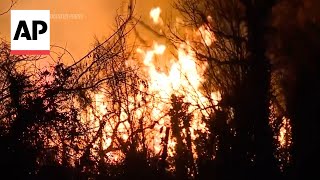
{"x":240,"y":70}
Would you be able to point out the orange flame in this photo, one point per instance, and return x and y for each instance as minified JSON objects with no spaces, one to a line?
{"x":155,"y":15}
{"x":183,"y":78}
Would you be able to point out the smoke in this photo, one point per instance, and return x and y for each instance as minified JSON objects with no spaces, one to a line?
{"x":75,"y":23}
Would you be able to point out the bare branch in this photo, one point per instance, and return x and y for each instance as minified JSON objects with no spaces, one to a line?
{"x":13,"y":2}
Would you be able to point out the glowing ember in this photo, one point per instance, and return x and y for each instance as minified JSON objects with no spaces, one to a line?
{"x":284,"y":137}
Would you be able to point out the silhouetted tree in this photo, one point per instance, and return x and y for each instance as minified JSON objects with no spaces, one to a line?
{"x":180,"y":125}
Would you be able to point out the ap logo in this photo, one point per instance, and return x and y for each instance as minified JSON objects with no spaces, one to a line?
{"x":30,"y":32}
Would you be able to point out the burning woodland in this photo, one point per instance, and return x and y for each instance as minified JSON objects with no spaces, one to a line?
{"x":220,"y":89}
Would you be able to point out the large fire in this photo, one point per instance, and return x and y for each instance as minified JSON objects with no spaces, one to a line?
{"x":183,"y":78}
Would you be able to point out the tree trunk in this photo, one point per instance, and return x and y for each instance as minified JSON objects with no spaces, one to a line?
{"x":255,"y":98}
